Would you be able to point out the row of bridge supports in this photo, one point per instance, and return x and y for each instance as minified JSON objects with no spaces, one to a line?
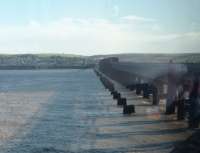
{"x":184,"y":101}
{"x":185,"y":107}
{"x":121,"y":101}
{"x":146,"y":90}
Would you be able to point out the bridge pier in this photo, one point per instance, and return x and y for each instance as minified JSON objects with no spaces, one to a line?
{"x":116,"y":95}
{"x":145,"y":90}
{"x":138,"y":89}
{"x":170,"y":108}
{"x":128,"y":109}
{"x":181,"y":109}
{"x":121,"y":101}
{"x":131,"y":87}
{"x":155,"y":94}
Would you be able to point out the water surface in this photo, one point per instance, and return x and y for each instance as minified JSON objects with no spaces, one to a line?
{"x":54,"y":111}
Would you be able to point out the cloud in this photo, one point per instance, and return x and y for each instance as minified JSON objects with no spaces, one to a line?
{"x":135,"y":18}
{"x":94,"y":36}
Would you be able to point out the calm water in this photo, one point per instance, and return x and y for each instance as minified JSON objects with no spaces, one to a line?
{"x":54,"y":111}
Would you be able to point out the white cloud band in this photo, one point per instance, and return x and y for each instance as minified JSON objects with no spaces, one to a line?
{"x":95,"y":36}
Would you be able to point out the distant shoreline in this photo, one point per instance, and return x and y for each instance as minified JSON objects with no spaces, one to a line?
{"x":43,"y":68}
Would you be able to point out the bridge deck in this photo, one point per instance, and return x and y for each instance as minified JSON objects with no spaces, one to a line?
{"x":147,"y":71}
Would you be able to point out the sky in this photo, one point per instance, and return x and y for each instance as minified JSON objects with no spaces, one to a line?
{"x":90,"y":27}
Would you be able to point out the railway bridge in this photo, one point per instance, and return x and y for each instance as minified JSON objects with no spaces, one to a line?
{"x":161,"y":80}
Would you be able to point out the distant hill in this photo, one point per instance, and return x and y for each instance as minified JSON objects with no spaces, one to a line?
{"x":55,"y":61}
{"x":43,"y":61}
